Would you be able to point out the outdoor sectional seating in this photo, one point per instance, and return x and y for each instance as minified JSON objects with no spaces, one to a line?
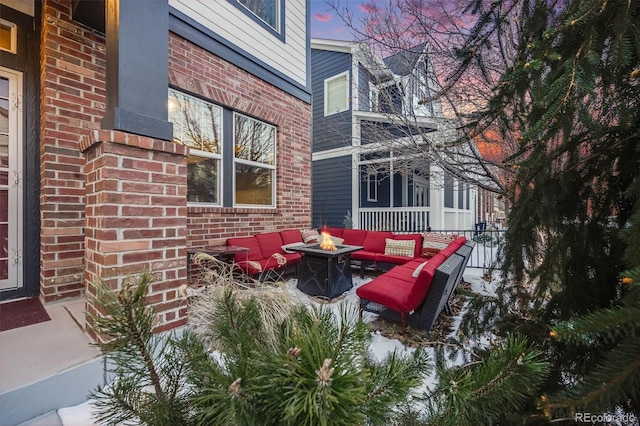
{"x":382,"y":249}
{"x":416,"y":292}
{"x":266,"y":257}
{"x":413,"y":290}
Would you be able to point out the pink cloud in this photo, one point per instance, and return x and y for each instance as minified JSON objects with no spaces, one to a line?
{"x":367,"y":7}
{"x":338,"y":30}
{"x":323,"y":17}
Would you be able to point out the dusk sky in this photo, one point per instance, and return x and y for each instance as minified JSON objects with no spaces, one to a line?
{"x":325,"y":23}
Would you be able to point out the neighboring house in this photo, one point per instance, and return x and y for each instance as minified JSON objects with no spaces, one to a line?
{"x":127,"y":137}
{"x":359,"y":168}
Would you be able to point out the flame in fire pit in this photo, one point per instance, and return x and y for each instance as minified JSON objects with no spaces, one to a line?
{"x":326,"y":243}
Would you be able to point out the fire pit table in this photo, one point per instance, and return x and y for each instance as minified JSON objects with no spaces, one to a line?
{"x":325,"y":273}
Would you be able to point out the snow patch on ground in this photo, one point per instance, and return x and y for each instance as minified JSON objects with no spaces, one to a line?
{"x":381,"y":346}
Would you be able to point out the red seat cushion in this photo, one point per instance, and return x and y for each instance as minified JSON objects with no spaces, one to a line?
{"x":291,"y":236}
{"x":388,"y":291}
{"x":248,"y":268}
{"x":398,"y":290}
{"x":270,"y":243}
{"x":354,"y":237}
{"x":416,"y":237}
{"x":364,"y":255}
{"x":293,"y":258}
{"x":392,"y":258}
{"x":249,"y":242}
{"x":375,"y":241}
{"x":255,"y":267}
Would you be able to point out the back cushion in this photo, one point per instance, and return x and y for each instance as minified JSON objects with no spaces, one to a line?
{"x":433,"y":242}
{"x":249,"y":242}
{"x":416,"y":237}
{"x":375,"y":241}
{"x":354,"y":237}
{"x":270,"y":243}
{"x":334,"y":232}
{"x":433,"y":264}
{"x":309,"y":235}
{"x":399,"y":247}
{"x":290,"y":236}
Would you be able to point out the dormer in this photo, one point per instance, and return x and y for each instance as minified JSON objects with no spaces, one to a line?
{"x":416,"y":84}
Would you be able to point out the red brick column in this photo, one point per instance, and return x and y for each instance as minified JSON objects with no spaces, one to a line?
{"x":136,"y":218}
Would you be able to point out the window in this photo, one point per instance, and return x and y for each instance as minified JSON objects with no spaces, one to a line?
{"x":254,"y":161}
{"x":8,"y":36}
{"x":448,"y":190}
{"x":336,"y":94}
{"x":372,"y":185}
{"x":267,"y":13}
{"x":373,"y":98}
{"x":198,"y":125}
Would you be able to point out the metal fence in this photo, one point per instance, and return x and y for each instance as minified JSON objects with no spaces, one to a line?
{"x":489,"y":249}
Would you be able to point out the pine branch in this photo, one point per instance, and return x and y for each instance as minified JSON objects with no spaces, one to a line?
{"x":485,"y":392}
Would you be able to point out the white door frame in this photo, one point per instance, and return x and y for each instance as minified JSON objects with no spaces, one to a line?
{"x":14,"y":182}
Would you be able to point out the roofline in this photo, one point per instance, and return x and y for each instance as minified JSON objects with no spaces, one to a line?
{"x":343,"y":46}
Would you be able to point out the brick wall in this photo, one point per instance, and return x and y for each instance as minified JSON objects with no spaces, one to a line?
{"x":194,"y":69}
{"x":72,"y":104}
{"x":136,"y":216}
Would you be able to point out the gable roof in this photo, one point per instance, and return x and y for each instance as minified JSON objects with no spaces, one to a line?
{"x":361,"y":52}
{"x":403,"y":63}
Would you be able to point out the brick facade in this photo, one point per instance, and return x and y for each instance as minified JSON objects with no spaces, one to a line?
{"x":72,"y":105}
{"x":196,"y":70}
{"x":136,"y":218}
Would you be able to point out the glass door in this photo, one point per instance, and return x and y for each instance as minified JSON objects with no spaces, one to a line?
{"x":10,"y":180}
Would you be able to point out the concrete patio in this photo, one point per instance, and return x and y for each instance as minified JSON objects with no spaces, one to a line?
{"x":47,"y":365}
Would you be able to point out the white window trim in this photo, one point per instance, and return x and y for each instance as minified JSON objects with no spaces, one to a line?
{"x":373,"y":89}
{"x":272,"y":167}
{"x":326,"y":98}
{"x":220,"y":186}
{"x":273,"y":187}
{"x":207,"y":154}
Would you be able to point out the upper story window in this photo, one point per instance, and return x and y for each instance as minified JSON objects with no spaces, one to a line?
{"x":8,"y":36}
{"x":336,"y":94}
{"x":254,"y":161}
{"x":198,"y":125}
{"x":268,"y":13}
{"x":374,"y":93}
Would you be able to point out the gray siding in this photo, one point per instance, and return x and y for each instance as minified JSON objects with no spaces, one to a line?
{"x":364,"y":77}
{"x":333,"y":131}
{"x":383,"y":190}
{"x":331,"y":189}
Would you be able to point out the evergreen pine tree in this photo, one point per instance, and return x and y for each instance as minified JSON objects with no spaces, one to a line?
{"x":614,"y":381}
{"x":572,"y":96}
{"x":150,"y":377}
{"x":300,"y":366}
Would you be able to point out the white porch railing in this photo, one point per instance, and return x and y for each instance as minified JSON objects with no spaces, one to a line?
{"x":396,"y":219}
